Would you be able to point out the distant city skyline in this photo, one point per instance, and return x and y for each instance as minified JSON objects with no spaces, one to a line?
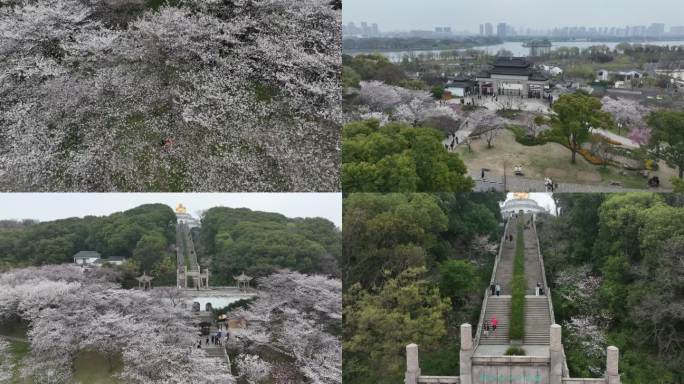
{"x":462,"y":15}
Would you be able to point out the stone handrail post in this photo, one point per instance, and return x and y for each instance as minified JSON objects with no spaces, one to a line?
{"x":466,"y":353}
{"x":556,"y":354}
{"x":612,"y":357}
{"x":412,"y":365}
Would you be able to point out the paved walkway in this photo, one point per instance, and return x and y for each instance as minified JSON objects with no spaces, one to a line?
{"x":524,"y":184}
{"x":464,"y":130}
{"x":624,"y":141}
{"x":516,"y":102}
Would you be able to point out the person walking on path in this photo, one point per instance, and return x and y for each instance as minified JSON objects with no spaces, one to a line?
{"x":498,"y":289}
{"x":537,"y":289}
{"x":494,"y":322}
{"x":492,"y":289}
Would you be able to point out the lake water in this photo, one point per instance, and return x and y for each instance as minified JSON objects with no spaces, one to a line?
{"x":515,"y":47}
{"x":216,"y":302}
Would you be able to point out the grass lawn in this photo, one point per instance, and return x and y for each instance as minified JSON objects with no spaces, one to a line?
{"x":550,"y":159}
{"x":19,"y":350}
{"x":92,"y":367}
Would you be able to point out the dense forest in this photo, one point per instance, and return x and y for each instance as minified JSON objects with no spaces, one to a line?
{"x":414,"y":267}
{"x":399,"y":157}
{"x":615,"y":266}
{"x":236,"y":240}
{"x":142,"y":234}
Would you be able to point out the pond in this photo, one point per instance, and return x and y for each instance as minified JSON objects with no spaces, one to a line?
{"x":89,"y":366}
{"x":216,"y":302}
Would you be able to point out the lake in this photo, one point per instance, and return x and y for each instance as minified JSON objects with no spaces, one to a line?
{"x":513,"y":46}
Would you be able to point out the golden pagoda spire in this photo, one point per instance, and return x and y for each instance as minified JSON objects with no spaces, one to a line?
{"x":180,"y":209}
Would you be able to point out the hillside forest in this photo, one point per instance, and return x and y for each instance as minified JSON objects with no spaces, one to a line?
{"x":230,"y":241}
{"x":414,"y":267}
{"x":615,"y":265}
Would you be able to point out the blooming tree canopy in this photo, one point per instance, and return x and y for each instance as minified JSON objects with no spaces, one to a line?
{"x":199,"y":95}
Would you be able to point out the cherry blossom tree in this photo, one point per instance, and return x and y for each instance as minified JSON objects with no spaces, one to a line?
{"x":627,"y":112}
{"x":641,"y":136}
{"x":201,"y":95}
{"x":304,"y":304}
{"x":69,"y":311}
{"x":154,"y":339}
{"x":400,"y":104}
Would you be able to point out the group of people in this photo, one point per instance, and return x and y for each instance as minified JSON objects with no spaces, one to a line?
{"x":654,"y":182}
{"x":215,"y":339}
{"x":453,"y":142}
{"x":549,"y":184}
{"x":518,"y":171}
{"x":495,"y":289}
{"x":509,"y":238}
{"x":539,"y":290}
{"x":489,"y":326}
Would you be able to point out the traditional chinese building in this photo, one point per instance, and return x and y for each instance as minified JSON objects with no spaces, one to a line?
{"x":512,"y":76}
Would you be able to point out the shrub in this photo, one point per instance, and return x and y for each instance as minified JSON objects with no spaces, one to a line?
{"x":515,"y":351}
{"x":523,"y":138}
{"x":508,"y":113}
{"x":517,"y":331}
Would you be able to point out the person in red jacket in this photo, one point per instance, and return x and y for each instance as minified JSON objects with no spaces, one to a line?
{"x":494,"y":322}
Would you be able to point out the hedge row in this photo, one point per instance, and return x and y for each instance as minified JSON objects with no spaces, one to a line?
{"x":517,"y":331}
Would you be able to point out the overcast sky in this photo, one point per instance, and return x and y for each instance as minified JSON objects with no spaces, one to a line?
{"x":541,"y":14}
{"x":51,"y":206}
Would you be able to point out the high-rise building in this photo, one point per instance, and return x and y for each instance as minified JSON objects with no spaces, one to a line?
{"x":489,"y":29}
{"x":677,"y":31}
{"x":482,"y":30}
{"x":656,"y":29}
{"x":501,"y":30}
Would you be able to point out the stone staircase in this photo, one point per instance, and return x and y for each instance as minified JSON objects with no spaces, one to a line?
{"x":504,"y":271}
{"x":499,"y":307}
{"x":217,"y":352}
{"x":537,"y":320}
{"x":537,"y":312}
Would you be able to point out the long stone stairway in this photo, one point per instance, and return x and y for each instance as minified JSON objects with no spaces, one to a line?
{"x":536,"y":311}
{"x":537,"y":320}
{"x":499,"y":307}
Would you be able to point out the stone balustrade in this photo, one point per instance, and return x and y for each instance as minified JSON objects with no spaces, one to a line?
{"x":478,"y":369}
{"x":439,"y":379}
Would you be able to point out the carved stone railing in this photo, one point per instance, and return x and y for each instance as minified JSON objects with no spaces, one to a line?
{"x":566,"y":371}
{"x":439,"y":379}
{"x":478,"y":331}
{"x":543,"y":271}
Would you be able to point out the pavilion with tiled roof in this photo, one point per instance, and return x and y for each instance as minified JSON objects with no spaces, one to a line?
{"x":512,"y":76}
